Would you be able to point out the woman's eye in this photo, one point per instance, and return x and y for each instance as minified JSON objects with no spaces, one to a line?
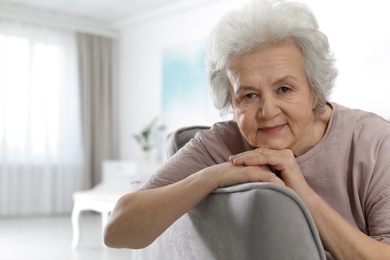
{"x":250,"y":95}
{"x":284,"y":89}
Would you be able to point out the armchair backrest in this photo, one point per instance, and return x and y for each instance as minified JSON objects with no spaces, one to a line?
{"x":246,"y":221}
{"x":180,"y":137}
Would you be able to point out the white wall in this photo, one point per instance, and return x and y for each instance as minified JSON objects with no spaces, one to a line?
{"x":357,"y":32}
{"x":359,"y":35}
{"x":140,"y":58}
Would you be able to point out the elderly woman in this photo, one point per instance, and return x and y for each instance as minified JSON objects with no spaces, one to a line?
{"x":270,"y":65}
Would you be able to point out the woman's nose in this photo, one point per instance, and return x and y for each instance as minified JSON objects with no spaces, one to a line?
{"x":269,"y":108}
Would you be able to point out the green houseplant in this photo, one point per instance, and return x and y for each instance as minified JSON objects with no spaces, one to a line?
{"x":147,"y":137}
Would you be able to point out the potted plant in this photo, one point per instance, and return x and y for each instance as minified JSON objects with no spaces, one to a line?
{"x":147,"y":137}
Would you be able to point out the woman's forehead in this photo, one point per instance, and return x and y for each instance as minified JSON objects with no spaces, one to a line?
{"x":275,"y":61}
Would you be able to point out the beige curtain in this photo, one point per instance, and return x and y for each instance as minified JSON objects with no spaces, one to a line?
{"x":95,"y":55}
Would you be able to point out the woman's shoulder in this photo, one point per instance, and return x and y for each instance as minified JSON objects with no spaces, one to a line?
{"x":222,"y":129}
{"x":359,"y":120}
{"x":362,"y":129}
{"x":226,"y":133}
{"x":229,"y":127}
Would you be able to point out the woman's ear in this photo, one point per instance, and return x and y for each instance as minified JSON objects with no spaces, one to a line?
{"x":315,"y":99}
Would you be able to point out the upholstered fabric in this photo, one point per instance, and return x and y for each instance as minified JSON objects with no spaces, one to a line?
{"x":247,"y":221}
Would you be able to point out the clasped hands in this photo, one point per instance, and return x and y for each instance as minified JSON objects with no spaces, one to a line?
{"x":259,"y":165}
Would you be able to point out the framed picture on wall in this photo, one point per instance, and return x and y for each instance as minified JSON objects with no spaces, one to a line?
{"x":185,"y":95}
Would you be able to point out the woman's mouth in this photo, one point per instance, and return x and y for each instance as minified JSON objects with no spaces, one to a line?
{"x":272,"y":129}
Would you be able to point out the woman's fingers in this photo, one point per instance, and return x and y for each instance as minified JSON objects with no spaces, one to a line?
{"x":262,"y":174}
{"x":280,"y":161}
{"x":232,"y":174}
{"x":248,"y":158}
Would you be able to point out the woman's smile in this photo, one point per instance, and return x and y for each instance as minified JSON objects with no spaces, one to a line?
{"x":272,"y":129}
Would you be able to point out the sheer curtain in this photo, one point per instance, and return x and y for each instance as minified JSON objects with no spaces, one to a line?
{"x":41,"y":151}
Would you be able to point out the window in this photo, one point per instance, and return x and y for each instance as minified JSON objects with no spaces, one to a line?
{"x":38,"y":98}
{"x":41,"y":153}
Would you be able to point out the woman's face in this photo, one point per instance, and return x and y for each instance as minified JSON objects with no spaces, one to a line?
{"x":272,"y":100}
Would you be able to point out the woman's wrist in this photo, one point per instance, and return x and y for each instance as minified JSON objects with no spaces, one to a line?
{"x":208,"y":178}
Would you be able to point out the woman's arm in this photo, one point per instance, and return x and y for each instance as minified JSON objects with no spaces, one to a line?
{"x":140,"y":217}
{"x":339,"y":237}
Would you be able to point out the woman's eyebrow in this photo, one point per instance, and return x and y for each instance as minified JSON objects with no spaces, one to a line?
{"x":284,"y":80}
{"x":244,"y":89}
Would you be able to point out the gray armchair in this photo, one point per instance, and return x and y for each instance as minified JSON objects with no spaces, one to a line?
{"x":247,"y":221}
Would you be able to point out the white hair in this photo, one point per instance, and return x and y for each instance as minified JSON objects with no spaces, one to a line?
{"x":260,"y":24}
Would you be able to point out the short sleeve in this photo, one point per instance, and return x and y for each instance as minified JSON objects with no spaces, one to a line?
{"x":188,"y":160}
{"x":207,"y":148}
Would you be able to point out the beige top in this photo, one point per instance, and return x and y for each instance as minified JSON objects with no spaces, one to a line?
{"x":349,"y":168}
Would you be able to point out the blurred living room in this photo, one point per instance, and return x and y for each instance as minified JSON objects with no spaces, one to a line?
{"x":89,"y":89}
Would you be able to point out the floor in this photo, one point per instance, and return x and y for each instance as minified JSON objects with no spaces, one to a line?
{"x":49,"y":238}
